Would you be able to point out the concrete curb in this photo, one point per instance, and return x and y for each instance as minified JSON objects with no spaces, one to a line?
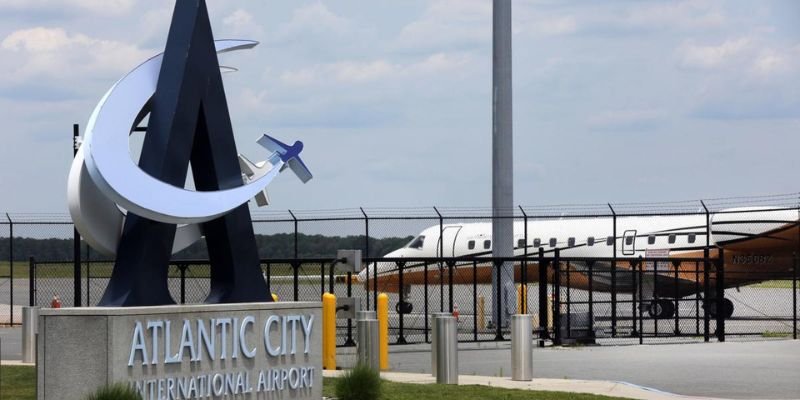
{"x":605,"y":388}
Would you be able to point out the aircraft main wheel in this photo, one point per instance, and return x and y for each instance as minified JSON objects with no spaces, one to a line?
{"x":661,"y":309}
{"x":404,"y":307}
{"x":725,"y":308}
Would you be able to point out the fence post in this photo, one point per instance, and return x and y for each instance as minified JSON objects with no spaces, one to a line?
{"x":499,"y":300}
{"x":794,"y":298}
{"x":88,"y":275}
{"x":182,"y":268}
{"x":450,"y":267}
{"x":557,"y":298}
{"x":31,"y":281}
{"x":401,"y":339}
{"x":441,"y":265}
{"x":296,"y":279}
{"x":639,"y":276}
{"x":366,"y":232}
{"x":720,"y":296}
{"x":295,"y":235}
{"x":636,"y":290}
{"x":542,"y":296}
{"x":474,"y":300}
{"x":11,"y":265}
{"x":614,"y":273}
{"x":76,"y":237}
{"x":706,"y":295}
{"x":524,"y":264}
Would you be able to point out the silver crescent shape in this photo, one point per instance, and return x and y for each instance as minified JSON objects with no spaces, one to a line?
{"x":95,"y":215}
{"x":108,"y":161}
{"x":100,"y":221}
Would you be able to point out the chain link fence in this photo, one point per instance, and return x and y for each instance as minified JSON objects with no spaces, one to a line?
{"x":636,"y":297}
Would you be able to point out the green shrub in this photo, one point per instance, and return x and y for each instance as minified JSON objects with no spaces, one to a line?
{"x":359,"y":383}
{"x":117,"y":391}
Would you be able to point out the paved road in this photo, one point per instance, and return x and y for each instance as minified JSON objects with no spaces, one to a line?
{"x":729,"y":370}
{"x":11,"y":343}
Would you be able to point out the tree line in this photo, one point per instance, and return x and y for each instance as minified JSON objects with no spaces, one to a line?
{"x":276,"y":246}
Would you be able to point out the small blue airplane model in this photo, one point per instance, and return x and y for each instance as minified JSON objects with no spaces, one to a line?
{"x":290,"y":155}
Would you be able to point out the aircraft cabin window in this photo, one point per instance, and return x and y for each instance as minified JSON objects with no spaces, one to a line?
{"x":521,"y":243}
{"x":609,"y":241}
{"x":552,"y":242}
{"x":590,"y":240}
{"x":672,"y":238}
{"x":471,"y":244}
{"x":537,"y":242}
{"x":692,"y":237}
{"x":571,"y":242}
{"x":651,"y":239}
{"x":629,"y":240}
{"x":417,"y":242}
{"x":487,"y":244}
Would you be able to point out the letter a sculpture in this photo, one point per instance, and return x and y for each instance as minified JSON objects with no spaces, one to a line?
{"x":181,"y":90}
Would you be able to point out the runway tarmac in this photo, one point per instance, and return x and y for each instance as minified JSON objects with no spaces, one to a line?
{"x":737,"y":370}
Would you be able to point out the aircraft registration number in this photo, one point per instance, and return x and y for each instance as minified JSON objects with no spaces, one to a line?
{"x":751,"y":259}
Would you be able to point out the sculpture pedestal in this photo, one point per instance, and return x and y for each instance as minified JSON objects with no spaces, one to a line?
{"x":245,"y":350}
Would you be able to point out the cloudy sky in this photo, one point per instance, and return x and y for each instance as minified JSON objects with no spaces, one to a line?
{"x":613,"y":101}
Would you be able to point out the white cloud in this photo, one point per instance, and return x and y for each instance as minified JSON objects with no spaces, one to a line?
{"x":240,"y":22}
{"x":375,"y":70}
{"x":626,"y":119}
{"x":101,"y":7}
{"x":314,"y":18}
{"x":449,"y":23}
{"x":708,"y":57}
{"x":30,"y":55}
{"x":679,"y":14}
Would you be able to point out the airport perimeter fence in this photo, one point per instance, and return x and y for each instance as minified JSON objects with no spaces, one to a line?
{"x":613,"y":294}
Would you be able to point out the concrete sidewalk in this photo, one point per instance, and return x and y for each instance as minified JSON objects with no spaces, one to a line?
{"x":604,"y":388}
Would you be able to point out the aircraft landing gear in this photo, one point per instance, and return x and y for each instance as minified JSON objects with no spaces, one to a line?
{"x":661,"y":309}
{"x":714,"y":307}
{"x":404,"y":306}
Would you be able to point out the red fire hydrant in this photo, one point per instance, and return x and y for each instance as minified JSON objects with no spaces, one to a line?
{"x":455,"y":311}
{"x":56,"y":302}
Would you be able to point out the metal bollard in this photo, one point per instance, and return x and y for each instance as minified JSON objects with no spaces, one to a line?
{"x":30,"y":320}
{"x":447,"y":350}
{"x":434,"y":338}
{"x":521,"y":348}
{"x":368,"y":346}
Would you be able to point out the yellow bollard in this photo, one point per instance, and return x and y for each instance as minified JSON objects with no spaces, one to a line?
{"x":328,"y":331}
{"x":274,"y":297}
{"x":481,"y":312}
{"x":522,"y":297}
{"x":383,"y":330}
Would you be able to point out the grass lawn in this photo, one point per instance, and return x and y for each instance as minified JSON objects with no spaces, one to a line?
{"x":20,"y":383}
{"x":783,"y":284}
{"x":17,"y":382}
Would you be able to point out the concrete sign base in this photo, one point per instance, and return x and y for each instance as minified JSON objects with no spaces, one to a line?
{"x":243,"y":351}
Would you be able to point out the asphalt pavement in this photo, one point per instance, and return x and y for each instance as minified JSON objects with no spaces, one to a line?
{"x":737,"y":370}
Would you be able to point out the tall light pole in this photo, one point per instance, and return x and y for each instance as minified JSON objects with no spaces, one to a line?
{"x":502,"y":163}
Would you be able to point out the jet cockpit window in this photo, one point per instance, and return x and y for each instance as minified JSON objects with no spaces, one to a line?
{"x":417,"y":242}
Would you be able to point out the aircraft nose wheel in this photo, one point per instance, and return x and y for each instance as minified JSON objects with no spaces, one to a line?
{"x":661,"y":309}
{"x":404,"y":307}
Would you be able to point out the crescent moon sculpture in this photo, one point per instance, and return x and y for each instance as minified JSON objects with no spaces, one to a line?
{"x":104,"y":179}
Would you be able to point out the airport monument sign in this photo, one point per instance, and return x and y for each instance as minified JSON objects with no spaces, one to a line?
{"x":240,"y":344}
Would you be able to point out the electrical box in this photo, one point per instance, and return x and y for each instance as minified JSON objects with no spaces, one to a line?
{"x":347,"y":307}
{"x":352,"y":260}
